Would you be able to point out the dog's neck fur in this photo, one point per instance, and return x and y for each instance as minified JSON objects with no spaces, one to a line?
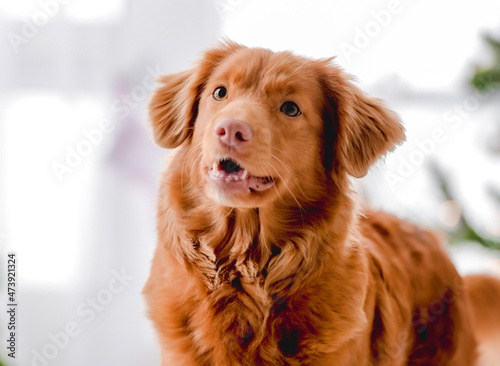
{"x":234,"y":244}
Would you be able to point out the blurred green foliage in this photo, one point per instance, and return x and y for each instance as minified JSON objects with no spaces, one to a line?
{"x":485,"y":79}
{"x":488,"y":79}
{"x":463,"y":231}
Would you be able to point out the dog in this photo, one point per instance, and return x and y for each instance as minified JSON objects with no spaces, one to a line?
{"x":265,"y":257}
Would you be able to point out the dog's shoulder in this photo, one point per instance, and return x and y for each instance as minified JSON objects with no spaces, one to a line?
{"x":416,"y":285}
{"x":405,"y":253}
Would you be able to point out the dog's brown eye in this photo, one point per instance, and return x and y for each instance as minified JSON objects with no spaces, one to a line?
{"x":220,"y":93}
{"x":290,"y":109}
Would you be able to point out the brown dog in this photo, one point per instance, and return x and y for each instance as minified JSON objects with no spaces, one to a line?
{"x":263,"y":257}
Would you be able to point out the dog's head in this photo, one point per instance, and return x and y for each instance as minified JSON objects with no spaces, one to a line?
{"x":259,"y":126}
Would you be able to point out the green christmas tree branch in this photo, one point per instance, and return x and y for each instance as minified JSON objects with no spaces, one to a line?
{"x":488,"y":79}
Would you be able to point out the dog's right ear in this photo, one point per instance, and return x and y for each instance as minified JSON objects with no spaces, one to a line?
{"x":174,"y":105}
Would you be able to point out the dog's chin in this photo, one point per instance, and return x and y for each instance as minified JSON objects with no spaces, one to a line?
{"x":237,"y":199}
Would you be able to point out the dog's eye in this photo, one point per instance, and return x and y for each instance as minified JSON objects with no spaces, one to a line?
{"x":220,"y":93}
{"x":290,"y":109}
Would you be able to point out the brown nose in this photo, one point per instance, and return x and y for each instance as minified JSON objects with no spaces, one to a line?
{"x":233,"y":132}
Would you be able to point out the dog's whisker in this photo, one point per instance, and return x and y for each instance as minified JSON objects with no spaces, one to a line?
{"x":279,"y":194}
{"x":186,"y":158}
{"x":183,"y":169}
{"x":289,"y":190}
{"x":291,"y":174}
{"x":298,"y":68}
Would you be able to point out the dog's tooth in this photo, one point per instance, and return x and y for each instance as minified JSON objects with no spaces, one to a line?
{"x":214,"y":167}
{"x":245,"y":174}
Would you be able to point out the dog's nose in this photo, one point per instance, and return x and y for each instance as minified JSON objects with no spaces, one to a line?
{"x":233,"y":132}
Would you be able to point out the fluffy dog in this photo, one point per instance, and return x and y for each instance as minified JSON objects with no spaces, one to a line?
{"x":263,"y":257}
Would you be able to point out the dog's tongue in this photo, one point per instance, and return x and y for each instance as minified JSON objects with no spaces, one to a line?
{"x":259,"y":184}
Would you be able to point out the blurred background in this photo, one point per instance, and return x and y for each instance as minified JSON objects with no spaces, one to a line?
{"x":79,"y":171}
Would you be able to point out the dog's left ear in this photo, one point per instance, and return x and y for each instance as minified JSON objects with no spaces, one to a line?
{"x":362,"y":128}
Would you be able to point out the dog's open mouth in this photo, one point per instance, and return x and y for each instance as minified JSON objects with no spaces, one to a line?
{"x":230,"y":175}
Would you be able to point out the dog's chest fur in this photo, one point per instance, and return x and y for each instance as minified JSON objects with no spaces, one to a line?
{"x":242,"y":304}
{"x":256,"y":306}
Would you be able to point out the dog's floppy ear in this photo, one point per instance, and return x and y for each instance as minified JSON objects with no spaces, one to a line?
{"x":174,"y":105}
{"x":362,"y":128}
